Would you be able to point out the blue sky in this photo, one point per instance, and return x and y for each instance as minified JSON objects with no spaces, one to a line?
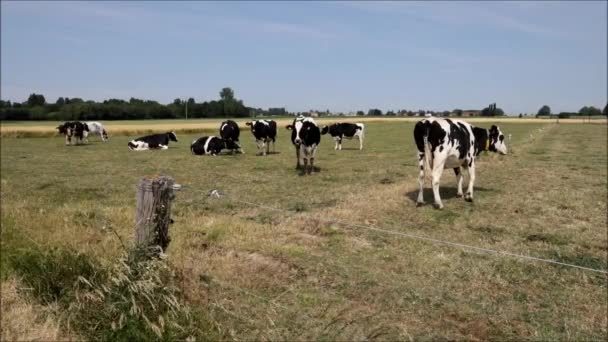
{"x":341,"y":56}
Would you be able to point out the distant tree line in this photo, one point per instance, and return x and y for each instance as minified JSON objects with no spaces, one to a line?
{"x":585,"y":111}
{"x":65,"y":108}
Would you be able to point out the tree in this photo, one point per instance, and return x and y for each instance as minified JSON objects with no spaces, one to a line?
{"x":544,"y":111}
{"x":60,"y":101}
{"x":605,"y":112}
{"x":360,"y":113}
{"x":227,"y":94}
{"x":191,"y":101}
{"x":458,"y":112}
{"x":520,"y":115}
{"x":36,"y":100}
{"x":177,"y":102}
{"x":374,"y":112}
{"x":589,"y":111}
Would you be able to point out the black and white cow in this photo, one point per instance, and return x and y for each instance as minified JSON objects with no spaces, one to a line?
{"x":452,"y":144}
{"x":154,"y":141}
{"x":95,"y":128}
{"x":346,"y":130}
{"x":229,"y":131}
{"x":75,"y":129}
{"x":305,"y":136}
{"x":264,"y":132}
{"x":208,"y":145}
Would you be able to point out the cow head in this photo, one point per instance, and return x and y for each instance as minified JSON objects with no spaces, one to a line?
{"x":325,"y":130}
{"x":304,"y":129}
{"x":497,"y":140}
{"x":104,"y":134}
{"x":62,"y":129}
{"x":172,"y":136}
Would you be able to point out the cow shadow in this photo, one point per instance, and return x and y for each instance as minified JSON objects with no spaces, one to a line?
{"x":348,"y":149}
{"x":446,"y":192}
{"x":315,"y":169}
{"x":78,"y":145}
{"x":259,"y":154}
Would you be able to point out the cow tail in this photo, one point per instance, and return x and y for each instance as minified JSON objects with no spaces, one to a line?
{"x":428,"y":161}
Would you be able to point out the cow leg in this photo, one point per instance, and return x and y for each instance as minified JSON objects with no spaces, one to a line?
{"x":436,"y":177}
{"x":360,"y":141}
{"x":257,"y":144}
{"x":340,"y":144}
{"x":336,"y":139}
{"x":469,"y":196}
{"x":459,"y":178}
{"x":267,"y":146}
{"x":305,"y":168}
{"x":420,"y":200}
{"x":298,"y":157}
{"x":312,"y":160}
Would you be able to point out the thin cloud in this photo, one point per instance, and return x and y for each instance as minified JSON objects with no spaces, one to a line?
{"x":461,"y":14}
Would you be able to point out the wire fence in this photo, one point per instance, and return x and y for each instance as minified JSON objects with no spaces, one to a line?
{"x":218,"y":194}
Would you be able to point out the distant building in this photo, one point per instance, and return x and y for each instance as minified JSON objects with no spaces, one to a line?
{"x":471,"y":112}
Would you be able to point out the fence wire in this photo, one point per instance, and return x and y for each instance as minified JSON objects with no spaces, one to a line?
{"x":218,"y":194}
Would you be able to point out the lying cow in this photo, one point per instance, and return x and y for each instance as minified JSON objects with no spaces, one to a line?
{"x":75,"y":129}
{"x":208,"y":145}
{"x":154,"y":141}
{"x":229,"y":131}
{"x":264,"y":132}
{"x":305,"y":136}
{"x":452,"y":144}
{"x":346,"y":130}
{"x":95,"y":127}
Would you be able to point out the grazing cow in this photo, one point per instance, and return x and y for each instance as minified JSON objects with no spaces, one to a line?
{"x":345,"y":130}
{"x":264,"y":132}
{"x":154,"y":141}
{"x":96,"y":128}
{"x":305,"y":136}
{"x":208,"y":145}
{"x":452,"y":144}
{"x":74,"y":129}
{"x":229,"y":131}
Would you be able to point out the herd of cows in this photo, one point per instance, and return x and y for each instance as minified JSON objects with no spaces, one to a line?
{"x":441,"y":143}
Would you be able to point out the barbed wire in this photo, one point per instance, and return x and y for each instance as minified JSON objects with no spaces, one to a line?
{"x":218,"y":194}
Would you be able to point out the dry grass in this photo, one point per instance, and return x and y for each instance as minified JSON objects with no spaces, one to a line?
{"x":263,"y":274}
{"x":25,"y":320}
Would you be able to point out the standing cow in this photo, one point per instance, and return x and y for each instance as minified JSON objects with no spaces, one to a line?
{"x":230,"y":132}
{"x":305,"y":136}
{"x":75,"y":129}
{"x":452,"y":144}
{"x":264,"y":132}
{"x":95,"y":127}
{"x":346,"y":130}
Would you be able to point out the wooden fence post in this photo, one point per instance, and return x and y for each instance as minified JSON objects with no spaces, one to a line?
{"x":153,"y":215}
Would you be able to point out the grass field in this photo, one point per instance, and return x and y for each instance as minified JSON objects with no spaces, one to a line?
{"x":260,"y":274}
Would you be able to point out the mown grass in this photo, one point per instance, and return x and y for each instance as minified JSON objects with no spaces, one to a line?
{"x":299,"y":275}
